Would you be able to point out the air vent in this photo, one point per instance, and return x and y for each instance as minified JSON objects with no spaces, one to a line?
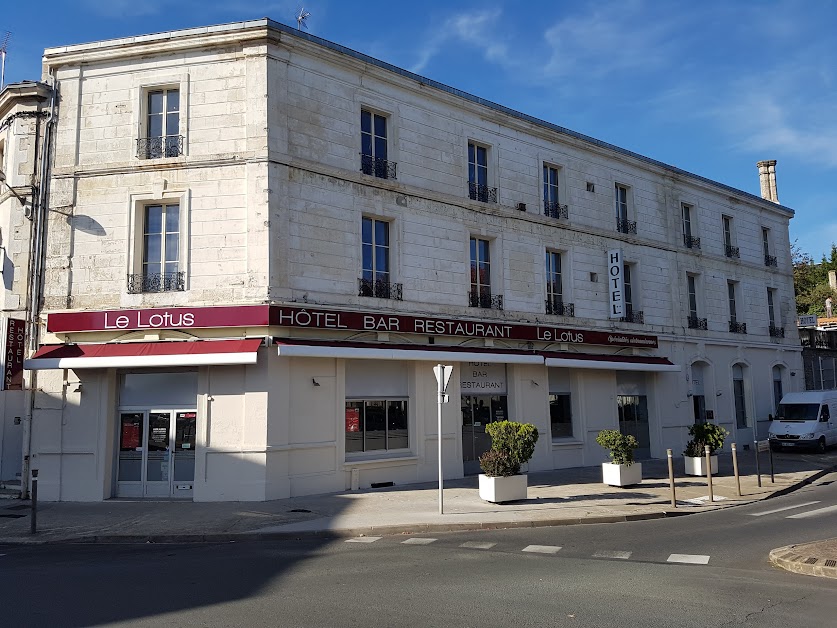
{"x":521,"y":207}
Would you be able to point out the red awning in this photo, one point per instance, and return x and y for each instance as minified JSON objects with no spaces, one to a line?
{"x":610,"y":362}
{"x":142,"y":354}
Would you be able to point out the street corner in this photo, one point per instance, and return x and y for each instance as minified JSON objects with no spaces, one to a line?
{"x":812,"y":559}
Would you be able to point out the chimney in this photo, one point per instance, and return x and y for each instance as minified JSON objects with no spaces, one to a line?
{"x":767,"y":179}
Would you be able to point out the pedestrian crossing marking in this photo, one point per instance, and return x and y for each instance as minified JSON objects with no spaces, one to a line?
{"x":364,"y":539}
{"x":478,"y":545}
{"x":693,"y":559}
{"x":812,"y":513}
{"x":775,"y":510}
{"x":417,"y":541}
{"x":542,"y":549}
{"x":614,"y":554}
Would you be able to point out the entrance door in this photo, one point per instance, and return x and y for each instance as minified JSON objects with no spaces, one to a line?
{"x":156,"y":453}
{"x":477,"y":412}
{"x":633,"y":421}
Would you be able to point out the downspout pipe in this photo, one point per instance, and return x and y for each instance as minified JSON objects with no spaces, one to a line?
{"x":35,"y":283}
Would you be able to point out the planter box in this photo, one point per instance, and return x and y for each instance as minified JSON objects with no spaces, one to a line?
{"x":697,"y":466}
{"x":621,"y":474}
{"x":504,"y":489}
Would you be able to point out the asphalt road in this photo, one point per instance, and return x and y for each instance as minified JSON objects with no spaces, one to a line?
{"x":696,"y":571}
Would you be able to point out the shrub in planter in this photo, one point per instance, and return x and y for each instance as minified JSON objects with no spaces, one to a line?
{"x":705,"y":434}
{"x":621,"y":446}
{"x":512,"y":444}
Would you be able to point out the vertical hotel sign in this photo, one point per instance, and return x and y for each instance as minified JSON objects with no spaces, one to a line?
{"x":615,"y":278}
{"x":15,"y":346}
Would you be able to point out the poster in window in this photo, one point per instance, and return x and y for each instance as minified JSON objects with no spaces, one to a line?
{"x":130,"y":434}
{"x":352,"y":419}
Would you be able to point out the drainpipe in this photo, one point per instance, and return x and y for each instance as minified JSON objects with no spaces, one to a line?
{"x":34,"y":283}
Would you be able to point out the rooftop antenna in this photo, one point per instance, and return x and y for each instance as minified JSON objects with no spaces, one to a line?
{"x":4,"y":45}
{"x":301,"y":16}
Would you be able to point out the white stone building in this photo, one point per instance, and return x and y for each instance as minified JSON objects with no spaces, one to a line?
{"x":266,"y":241}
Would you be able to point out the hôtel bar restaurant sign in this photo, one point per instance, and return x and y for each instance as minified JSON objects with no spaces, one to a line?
{"x":308,"y":318}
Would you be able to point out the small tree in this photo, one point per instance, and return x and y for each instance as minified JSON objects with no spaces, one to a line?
{"x":621,"y":446}
{"x":515,"y":442}
{"x":705,"y":434}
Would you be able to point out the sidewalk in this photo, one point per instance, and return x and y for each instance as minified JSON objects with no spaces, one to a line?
{"x":560,"y":497}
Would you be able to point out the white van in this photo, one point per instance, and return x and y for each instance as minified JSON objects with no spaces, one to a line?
{"x":805,"y":419}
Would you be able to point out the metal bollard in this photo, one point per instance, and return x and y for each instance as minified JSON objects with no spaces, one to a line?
{"x":709,"y":471}
{"x":735,"y":468}
{"x":758,"y":467}
{"x":33,"y":522}
{"x":671,"y":478}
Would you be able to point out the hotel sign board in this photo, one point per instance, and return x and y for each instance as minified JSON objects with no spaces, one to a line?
{"x":334,"y":320}
{"x":615,"y":284}
{"x":15,"y":348}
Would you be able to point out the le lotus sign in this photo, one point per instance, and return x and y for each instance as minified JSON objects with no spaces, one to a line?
{"x":338,"y":320}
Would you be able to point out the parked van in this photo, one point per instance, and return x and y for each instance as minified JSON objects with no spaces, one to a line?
{"x":805,"y":419}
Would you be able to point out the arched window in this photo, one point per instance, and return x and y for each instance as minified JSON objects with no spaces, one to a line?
{"x":738,"y":396}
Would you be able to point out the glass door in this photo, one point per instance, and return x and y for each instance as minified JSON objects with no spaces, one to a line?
{"x":158,"y":455}
{"x":184,"y":453}
{"x":477,"y":412}
{"x":131,"y":454}
{"x":633,"y":421}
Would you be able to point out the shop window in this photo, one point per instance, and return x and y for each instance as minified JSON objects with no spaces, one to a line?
{"x":560,"y":416}
{"x":778,"y":391}
{"x":376,"y":425}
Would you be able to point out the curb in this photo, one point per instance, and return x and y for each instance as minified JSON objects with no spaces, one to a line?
{"x":790,"y":559}
{"x":810,"y":480}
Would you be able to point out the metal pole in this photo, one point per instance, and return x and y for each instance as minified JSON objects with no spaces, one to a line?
{"x":33,"y":521}
{"x":439,"y":428}
{"x":735,"y":468}
{"x":758,"y":468}
{"x":671,"y":478}
{"x":770,"y":449}
{"x":708,"y":456}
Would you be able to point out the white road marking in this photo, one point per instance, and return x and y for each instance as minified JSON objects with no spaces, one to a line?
{"x":775,"y":510}
{"x":418,"y":541}
{"x":364,"y":539}
{"x":478,"y":545}
{"x":542,"y":549}
{"x":700,"y":501}
{"x":614,"y":554}
{"x":693,"y":559}
{"x":813,"y":513}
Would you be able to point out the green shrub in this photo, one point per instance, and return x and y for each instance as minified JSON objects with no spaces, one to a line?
{"x":515,"y":440}
{"x":705,"y":434}
{"x":497,"y":464}
{"x":621,"y":447}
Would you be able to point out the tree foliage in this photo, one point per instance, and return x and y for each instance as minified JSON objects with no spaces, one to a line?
{"x":810,"y":280}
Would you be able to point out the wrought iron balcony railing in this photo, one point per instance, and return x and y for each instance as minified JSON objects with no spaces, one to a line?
{"x":737,"y":328}
{"x":377,"y":167}
{"x":633,"y":316}
{"x":691,"y":242}
{"x":157,"y":147}
{"x":731,"y":251}
{"x":777,"y":332}
{"x":559,"y":308}
{"x":816,"y":339}
{"x":697,"y":323}
{"x":485,"y":300}
{"x":626,"y":226}
{"x":770,"y":260}
{"x":379,"y":288}
{"x":156,"y":282}
{"x":554,"y":209}
{"x":482,"y":193}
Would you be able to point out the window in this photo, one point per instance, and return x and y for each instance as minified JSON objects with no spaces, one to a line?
{"x":555,"y":287}
{"x":777,"y":387}
{"x":774,"y":330}
{"x":375,"y":252}
{"x":376,"y":425}
{"x":160,"y":270}
{"x":480,"y":295}
{"x":770,"y":314}
{"x":373,"y":146}
{"x":162,"y":128}
{"x":623,"y":225}
{"x":688,"y":239}
{"x":739,"y":397}
{"x":734,"y":325}
{"x":729,"y":249}
{"x":692,"y":288}
{"x":560,"y":416}
{"x":632,"y":315}
{"x":551,"y":203}
{"x":769,"y":260}
{"x":478,"y":189}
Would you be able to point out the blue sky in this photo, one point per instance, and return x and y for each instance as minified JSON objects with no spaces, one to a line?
{"x":711,"y":87}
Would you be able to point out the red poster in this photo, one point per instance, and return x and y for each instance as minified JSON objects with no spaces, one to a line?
{"x":130,"y":436}
{"x":352,"y":419}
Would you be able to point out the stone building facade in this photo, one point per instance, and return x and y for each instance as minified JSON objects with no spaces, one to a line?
{"x":267,"y":241}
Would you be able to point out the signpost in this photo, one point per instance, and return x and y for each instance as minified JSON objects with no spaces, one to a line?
{"x":442,"y":373}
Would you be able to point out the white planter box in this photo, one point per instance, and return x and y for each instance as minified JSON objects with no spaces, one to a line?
{"x":697,"y":466}
{"x":621,"y":474}
{"x":504,"y":489}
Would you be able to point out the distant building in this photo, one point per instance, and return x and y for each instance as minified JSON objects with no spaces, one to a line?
{"x":260,"y":243}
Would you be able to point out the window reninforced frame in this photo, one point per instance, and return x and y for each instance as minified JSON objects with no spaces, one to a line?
{"x":480,"y":173}
{"x":624,"y":209}
{"x":148,"y":144}
{"x":375,"y":143}
{"x":377,"y":425}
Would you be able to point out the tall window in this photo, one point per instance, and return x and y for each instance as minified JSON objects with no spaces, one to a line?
{"x":376,"y":425}
{"x":554,"y":284}
{"x":478,"y":189}
{"x":731,"y":299}
{"x":621,"y":202}
{"x":628,"y":291}
{"x":729,"y":249}
{"x":480,"y":267}
{"x":560,"y":415}
{"x":692,"y":288}
{"x":769,"y":260}
{"x":161,"y":249}
{"x":770,"y":313}
{"x":777,"y":387}
{"x":375,"y":280}
{"x":739,"y":397}
{"x":551,"y":203}
{"x":373,"y":146}
{"x":688,"y":239}
{"x":163,"y":124}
